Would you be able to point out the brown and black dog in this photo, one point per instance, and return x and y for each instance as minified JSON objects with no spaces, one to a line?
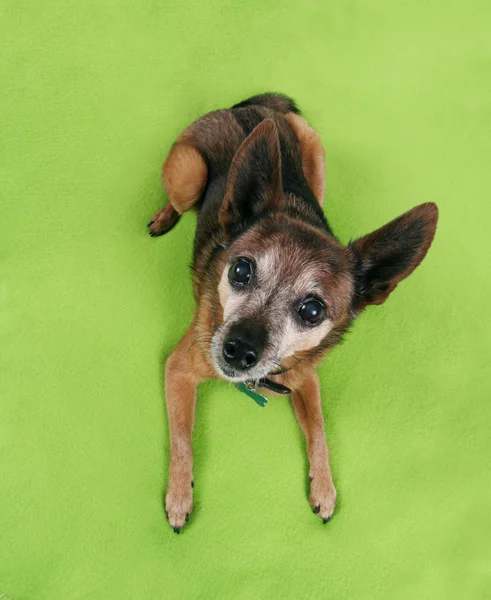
{"x":275,"y":289}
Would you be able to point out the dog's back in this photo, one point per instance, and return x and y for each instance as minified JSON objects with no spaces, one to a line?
{"x":196,"y":172}
{"x":218,"y":135}
{"x":277,"y":102}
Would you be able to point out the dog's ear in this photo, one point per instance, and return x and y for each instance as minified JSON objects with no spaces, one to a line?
{"x":388,"y":255}
{"x":254,"y":180}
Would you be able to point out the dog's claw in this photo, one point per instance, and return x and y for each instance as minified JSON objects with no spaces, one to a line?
{"x":324,"y":521}
{"x":179,"y":501}
{"x":192,"y":483}
{"x":322,"y":496}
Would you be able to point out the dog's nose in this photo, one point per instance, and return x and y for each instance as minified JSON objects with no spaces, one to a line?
{"x":239,"y":354}
{"x":244,"y":344}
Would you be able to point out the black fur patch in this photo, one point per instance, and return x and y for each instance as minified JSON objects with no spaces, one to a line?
{"x":278,"y":102}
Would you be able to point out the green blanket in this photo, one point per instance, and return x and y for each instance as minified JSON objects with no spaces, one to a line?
{"x":92,"y":96}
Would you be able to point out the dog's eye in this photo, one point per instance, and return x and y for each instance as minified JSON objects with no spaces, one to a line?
{"x":312,"y":311}
{"x":241,"y":272}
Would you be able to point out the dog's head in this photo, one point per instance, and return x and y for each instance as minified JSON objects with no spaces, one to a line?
{"x":289,"y":290}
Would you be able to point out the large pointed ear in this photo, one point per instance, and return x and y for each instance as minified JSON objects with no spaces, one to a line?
{"x":388,"y":255}
{"x":254,"y":180}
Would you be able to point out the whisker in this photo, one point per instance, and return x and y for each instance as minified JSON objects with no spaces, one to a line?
{"x":201,"y":339}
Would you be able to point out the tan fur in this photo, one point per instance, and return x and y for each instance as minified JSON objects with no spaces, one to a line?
{"x":306,"y":402}
{"x":185,"y":368}
{"x":184,"y":176}
{"x":312,"y":154}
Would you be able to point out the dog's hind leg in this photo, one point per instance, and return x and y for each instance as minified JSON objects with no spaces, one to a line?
{"x":184,"y":178}
{"x":163,"y":220}
{"x":207,"y":146}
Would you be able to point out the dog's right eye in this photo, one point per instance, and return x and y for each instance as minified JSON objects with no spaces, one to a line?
{"x":240,"y":273}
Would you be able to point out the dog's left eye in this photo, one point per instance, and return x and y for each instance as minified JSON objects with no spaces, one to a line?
{"x":240,"y":273}
{"x":312,"y":311}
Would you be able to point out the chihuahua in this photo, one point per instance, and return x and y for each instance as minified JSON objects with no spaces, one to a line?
{"x":275,"y":289}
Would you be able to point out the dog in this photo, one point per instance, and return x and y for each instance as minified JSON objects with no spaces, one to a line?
{"x":275,"y":289}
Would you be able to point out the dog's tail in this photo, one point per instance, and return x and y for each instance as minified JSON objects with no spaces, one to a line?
{"x":277,"y":102}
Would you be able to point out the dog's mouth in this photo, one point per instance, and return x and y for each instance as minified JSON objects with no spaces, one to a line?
{"x":259,"y":382}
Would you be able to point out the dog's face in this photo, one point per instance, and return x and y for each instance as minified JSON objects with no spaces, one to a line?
{"x":289,"y":290}
{"x":284,"y":288}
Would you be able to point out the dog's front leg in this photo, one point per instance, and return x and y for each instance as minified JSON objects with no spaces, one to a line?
{"x":307,"y":405}
{"x":182,"y":375}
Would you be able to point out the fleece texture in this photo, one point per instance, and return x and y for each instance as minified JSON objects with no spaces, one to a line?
{"x":93,"y":95}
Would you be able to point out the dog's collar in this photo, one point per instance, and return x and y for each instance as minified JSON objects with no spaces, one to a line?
{"x":249,"y":388}
{"x":279,"y":388}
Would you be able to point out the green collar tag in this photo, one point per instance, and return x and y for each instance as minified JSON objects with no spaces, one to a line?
{"x":251,"y":392}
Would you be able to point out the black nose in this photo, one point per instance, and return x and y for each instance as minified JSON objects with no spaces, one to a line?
{"x":243,"y":346}
{"x":239,"y":354}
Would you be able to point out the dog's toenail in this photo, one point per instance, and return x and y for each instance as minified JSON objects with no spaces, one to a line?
{"x":187,"y":517}
{"x":326,"y":520}
{"x":177,"y":530}
{"x":310,"y":478}
{"x":148,"y":225}
{"x":192,"y":483}
{"x":317,"y":509}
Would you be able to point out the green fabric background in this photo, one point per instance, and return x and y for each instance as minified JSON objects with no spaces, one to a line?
{"x":92,"y":96}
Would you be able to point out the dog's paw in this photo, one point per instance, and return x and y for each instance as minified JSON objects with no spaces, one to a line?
{"x":163,"y":221}
{"x":322,"y":495}
{"x":179,"y":502}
